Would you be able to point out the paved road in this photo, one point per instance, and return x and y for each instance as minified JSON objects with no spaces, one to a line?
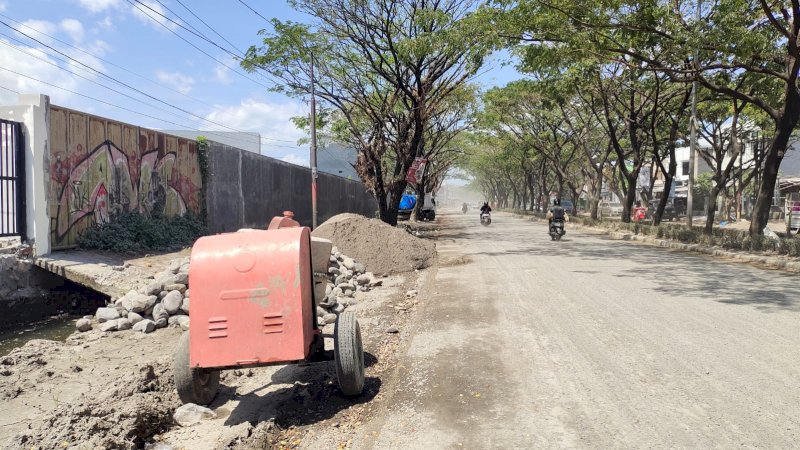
{"x":592,"y":343}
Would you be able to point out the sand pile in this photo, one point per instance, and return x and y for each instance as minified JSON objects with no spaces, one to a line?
{"x":121,"y":416}
{"x":380,"y":247}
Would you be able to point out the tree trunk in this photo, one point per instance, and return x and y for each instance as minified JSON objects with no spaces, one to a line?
{"x":712,"y":208}
{"x":783,"y":131}
{"x":630,"y":196}
{"x":769,"y":177}
{"x":390,"y":214}
{"x":662,"y":202}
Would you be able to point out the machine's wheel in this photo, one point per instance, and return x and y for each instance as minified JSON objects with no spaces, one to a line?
{"x":198,"y":386}
{"x":348,"y":354}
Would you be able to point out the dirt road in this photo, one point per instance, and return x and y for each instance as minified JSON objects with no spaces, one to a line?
{"x":592,"y":343}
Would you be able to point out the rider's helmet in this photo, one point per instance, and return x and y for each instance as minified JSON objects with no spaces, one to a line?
{"x":556,"y":202}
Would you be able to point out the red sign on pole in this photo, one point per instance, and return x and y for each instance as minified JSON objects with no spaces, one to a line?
{"x":416,"y":170}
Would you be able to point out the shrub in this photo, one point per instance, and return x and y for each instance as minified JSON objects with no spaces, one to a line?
{"x":136,"y":233}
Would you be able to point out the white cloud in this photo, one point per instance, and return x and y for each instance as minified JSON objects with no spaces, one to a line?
{"x":38,"y":27}
{"x":152,"y":13}
{"x":35,"y":68}
{"x":294,"y":159}
{"x":222,"y":74}
{"x":106,"y":24}
{"x":73,"y":28}
{"x":99,"y":5}
{"x":272,"y":120}
{"x":178,"y":81}
{"x":3,"y":6}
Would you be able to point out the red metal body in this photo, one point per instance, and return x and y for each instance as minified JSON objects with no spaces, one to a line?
{"x":251,"y":298}
{"x":287,"y":221}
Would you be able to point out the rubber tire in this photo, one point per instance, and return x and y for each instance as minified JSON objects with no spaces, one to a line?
{"x":348,"y":354}
{"x":198,"y":386}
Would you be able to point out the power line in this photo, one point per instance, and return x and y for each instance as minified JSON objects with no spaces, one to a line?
{"x":105,"y":61}
{"x":259,"y":140}
{"x":9,"y":89}
{"x":129,"y":86}
{"x":208,"y":26}
{"x":198,"y":48}
{"x":256,"y":12}
{"x":200,"y":35}
{"x":187,"y":127}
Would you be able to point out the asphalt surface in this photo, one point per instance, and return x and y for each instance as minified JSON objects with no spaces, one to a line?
{"x":591,"y":343}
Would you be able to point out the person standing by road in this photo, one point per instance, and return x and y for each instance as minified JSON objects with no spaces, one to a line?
{"x":639,"y":214}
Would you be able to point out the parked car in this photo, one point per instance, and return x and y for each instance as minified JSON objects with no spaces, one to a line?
{"x":428,"y":210}
{"x":669,"y":210}
{"x":568,"y":206}
{"x":610,"y":209}
{"x":406,"y":206}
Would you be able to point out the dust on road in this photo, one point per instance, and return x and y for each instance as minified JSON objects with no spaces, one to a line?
{"x":591,"y":343}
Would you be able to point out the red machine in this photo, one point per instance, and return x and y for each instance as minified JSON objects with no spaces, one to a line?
{"x":253,"y":305}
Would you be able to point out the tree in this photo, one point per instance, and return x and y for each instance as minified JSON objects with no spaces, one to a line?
{"x":743,"y":49}
{"x":387,"y":67}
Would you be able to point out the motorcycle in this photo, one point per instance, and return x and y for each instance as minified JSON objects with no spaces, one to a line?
{"x":486,"y":219}
{"x":557,"y":229}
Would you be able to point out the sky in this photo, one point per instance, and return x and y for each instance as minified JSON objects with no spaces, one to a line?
{"x":71,"y":49}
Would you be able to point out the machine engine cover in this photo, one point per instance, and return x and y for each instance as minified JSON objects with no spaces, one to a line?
{"x":251,"y":298}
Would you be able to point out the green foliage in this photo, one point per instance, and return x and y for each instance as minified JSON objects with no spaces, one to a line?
{"x":202,"y":161}
{"x":137,"y":233}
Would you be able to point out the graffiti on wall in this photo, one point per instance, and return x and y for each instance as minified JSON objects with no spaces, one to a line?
{"x":130,"y":170}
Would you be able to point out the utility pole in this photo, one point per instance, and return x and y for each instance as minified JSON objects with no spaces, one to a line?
{"x":313,"y":156}
{"x":693,"y":134}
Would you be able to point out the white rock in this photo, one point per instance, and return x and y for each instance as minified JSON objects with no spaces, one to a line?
{"x":152,"y":289}
{"x":106,"y":314}
{"x":190,"y":414}
{"x":183,"y":321}
{"x":182,"y":278}
{"x":364,"y":279}
{"x":161,"y":323}
{"x":172,"y":302}
{"x":141,"y":303}
{"x":144,"y":326}
{"x":124,"y":324}
{"x":159,"y":312}
{"x":83,"y":325}
{"x":110,"y":325}
{"x":411,"y":293}
{"x":329,"y":318}
{"x":185,"y":304}
{"x":349,"y":263}
{"x":134,"y":318}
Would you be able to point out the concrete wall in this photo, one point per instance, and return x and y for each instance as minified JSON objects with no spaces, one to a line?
{"x":245,"y":190}
{"x":32,"y":111}
{"x":99,"y":166}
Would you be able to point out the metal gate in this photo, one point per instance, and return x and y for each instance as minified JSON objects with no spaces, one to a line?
{"x":12,"y":180}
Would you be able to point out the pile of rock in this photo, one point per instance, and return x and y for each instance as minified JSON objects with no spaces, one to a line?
{"x":345,"y":277}
{"x":165,"y":300}
{"x":162,"y":302}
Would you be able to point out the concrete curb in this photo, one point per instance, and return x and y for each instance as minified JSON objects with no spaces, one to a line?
{"x":769,"y":261}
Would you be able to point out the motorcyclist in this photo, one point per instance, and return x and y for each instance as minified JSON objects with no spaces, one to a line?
{"x":486,"y":208}
{"x":464,"y":207}
{"x":556,"y":212}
